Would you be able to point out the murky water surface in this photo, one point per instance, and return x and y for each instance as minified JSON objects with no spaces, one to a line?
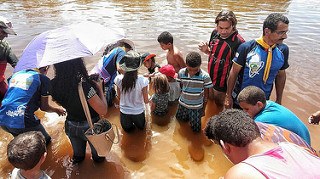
{"x":167,"y":149}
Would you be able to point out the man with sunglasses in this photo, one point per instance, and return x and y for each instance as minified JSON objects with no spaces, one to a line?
{"x":241,"y":142}
{"x":6,"y":54}
{"x":223,"y":44}
{"x":261,"y":62}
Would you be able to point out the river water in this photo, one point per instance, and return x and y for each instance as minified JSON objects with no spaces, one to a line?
{"x":167,"y":149}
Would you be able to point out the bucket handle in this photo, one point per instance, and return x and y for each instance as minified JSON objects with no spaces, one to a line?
{"x":117,"y":136}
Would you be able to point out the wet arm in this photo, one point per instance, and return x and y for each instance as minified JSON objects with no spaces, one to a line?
{"x":119,"y":69}
{"x":235,"y":69}
{"x":180,"y":60}
{"x":46,"y":105}
{"x":280,"y":82}
{"x":98,"y":102}
{"x":152,"y":105}
{"x":205,"y":98}
{"x":145,"y":94}
{"x":314,"y":118}
{"x":12,"y":59}
{"x":118,"y":92}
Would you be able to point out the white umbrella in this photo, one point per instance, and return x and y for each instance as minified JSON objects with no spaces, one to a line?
{"x":66,"y":43}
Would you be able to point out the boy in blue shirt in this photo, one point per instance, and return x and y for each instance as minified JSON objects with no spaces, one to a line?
{"x":253,"y":101}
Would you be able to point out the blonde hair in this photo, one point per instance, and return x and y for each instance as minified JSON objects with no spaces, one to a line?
{"x":160,"y":84}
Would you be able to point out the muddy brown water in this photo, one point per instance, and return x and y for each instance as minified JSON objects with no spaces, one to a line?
{"x":167,"y":148}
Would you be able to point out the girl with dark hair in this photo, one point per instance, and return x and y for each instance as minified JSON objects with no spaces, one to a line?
{"x":132,"y":89}
{"x":68,"y":75}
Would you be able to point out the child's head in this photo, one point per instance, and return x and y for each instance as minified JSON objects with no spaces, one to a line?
{"x":165,"y":40}
{"x":169,"y":71}
{"x":160,"y":84}
{"x":148,"y":59}
{"x":26,"y":150}
{"x":130,"y":64}
{"x":193,"y":61}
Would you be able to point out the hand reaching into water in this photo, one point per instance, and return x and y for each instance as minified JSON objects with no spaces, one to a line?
{"x":314,"y":118}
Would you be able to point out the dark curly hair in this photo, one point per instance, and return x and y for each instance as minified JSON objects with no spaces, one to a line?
{"x":193,"y":59}
{"x":233,"y":126}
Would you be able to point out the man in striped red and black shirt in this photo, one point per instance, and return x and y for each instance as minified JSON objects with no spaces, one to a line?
{"x":222,"y":46}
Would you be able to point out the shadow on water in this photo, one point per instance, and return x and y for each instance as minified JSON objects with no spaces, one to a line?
{"x":136,"y":145}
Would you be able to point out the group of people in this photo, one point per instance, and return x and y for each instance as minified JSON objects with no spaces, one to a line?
{"x":255,"y":67}
{"x":240,"y":75}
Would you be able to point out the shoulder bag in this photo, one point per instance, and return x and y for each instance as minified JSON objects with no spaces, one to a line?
{"x":102,"y":140}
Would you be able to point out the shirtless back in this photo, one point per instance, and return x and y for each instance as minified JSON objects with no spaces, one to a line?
{"x":175,"y":58}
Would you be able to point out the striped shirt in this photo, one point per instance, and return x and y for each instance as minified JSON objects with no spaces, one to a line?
{"x":222,"y":52}
{"x":192,"y":90}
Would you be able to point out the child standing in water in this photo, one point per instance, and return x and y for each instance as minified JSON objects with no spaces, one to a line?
{"x":175,"y":89}
{"x":160,"y":98}
{"x":132,"y":89}
{"x":150,"y":63}
{"x":174,"y":55}
{"x":196,"y":84}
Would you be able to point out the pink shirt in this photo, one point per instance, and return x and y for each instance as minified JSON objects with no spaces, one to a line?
{"x":286,"y":161}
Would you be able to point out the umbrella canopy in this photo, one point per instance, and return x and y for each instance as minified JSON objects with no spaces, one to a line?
{"x":66,"y":43}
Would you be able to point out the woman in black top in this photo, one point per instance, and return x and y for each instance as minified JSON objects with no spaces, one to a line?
{"x":68,"y":74}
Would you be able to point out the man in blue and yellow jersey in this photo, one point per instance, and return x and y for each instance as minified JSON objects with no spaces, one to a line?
{"x":261,"y":62}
